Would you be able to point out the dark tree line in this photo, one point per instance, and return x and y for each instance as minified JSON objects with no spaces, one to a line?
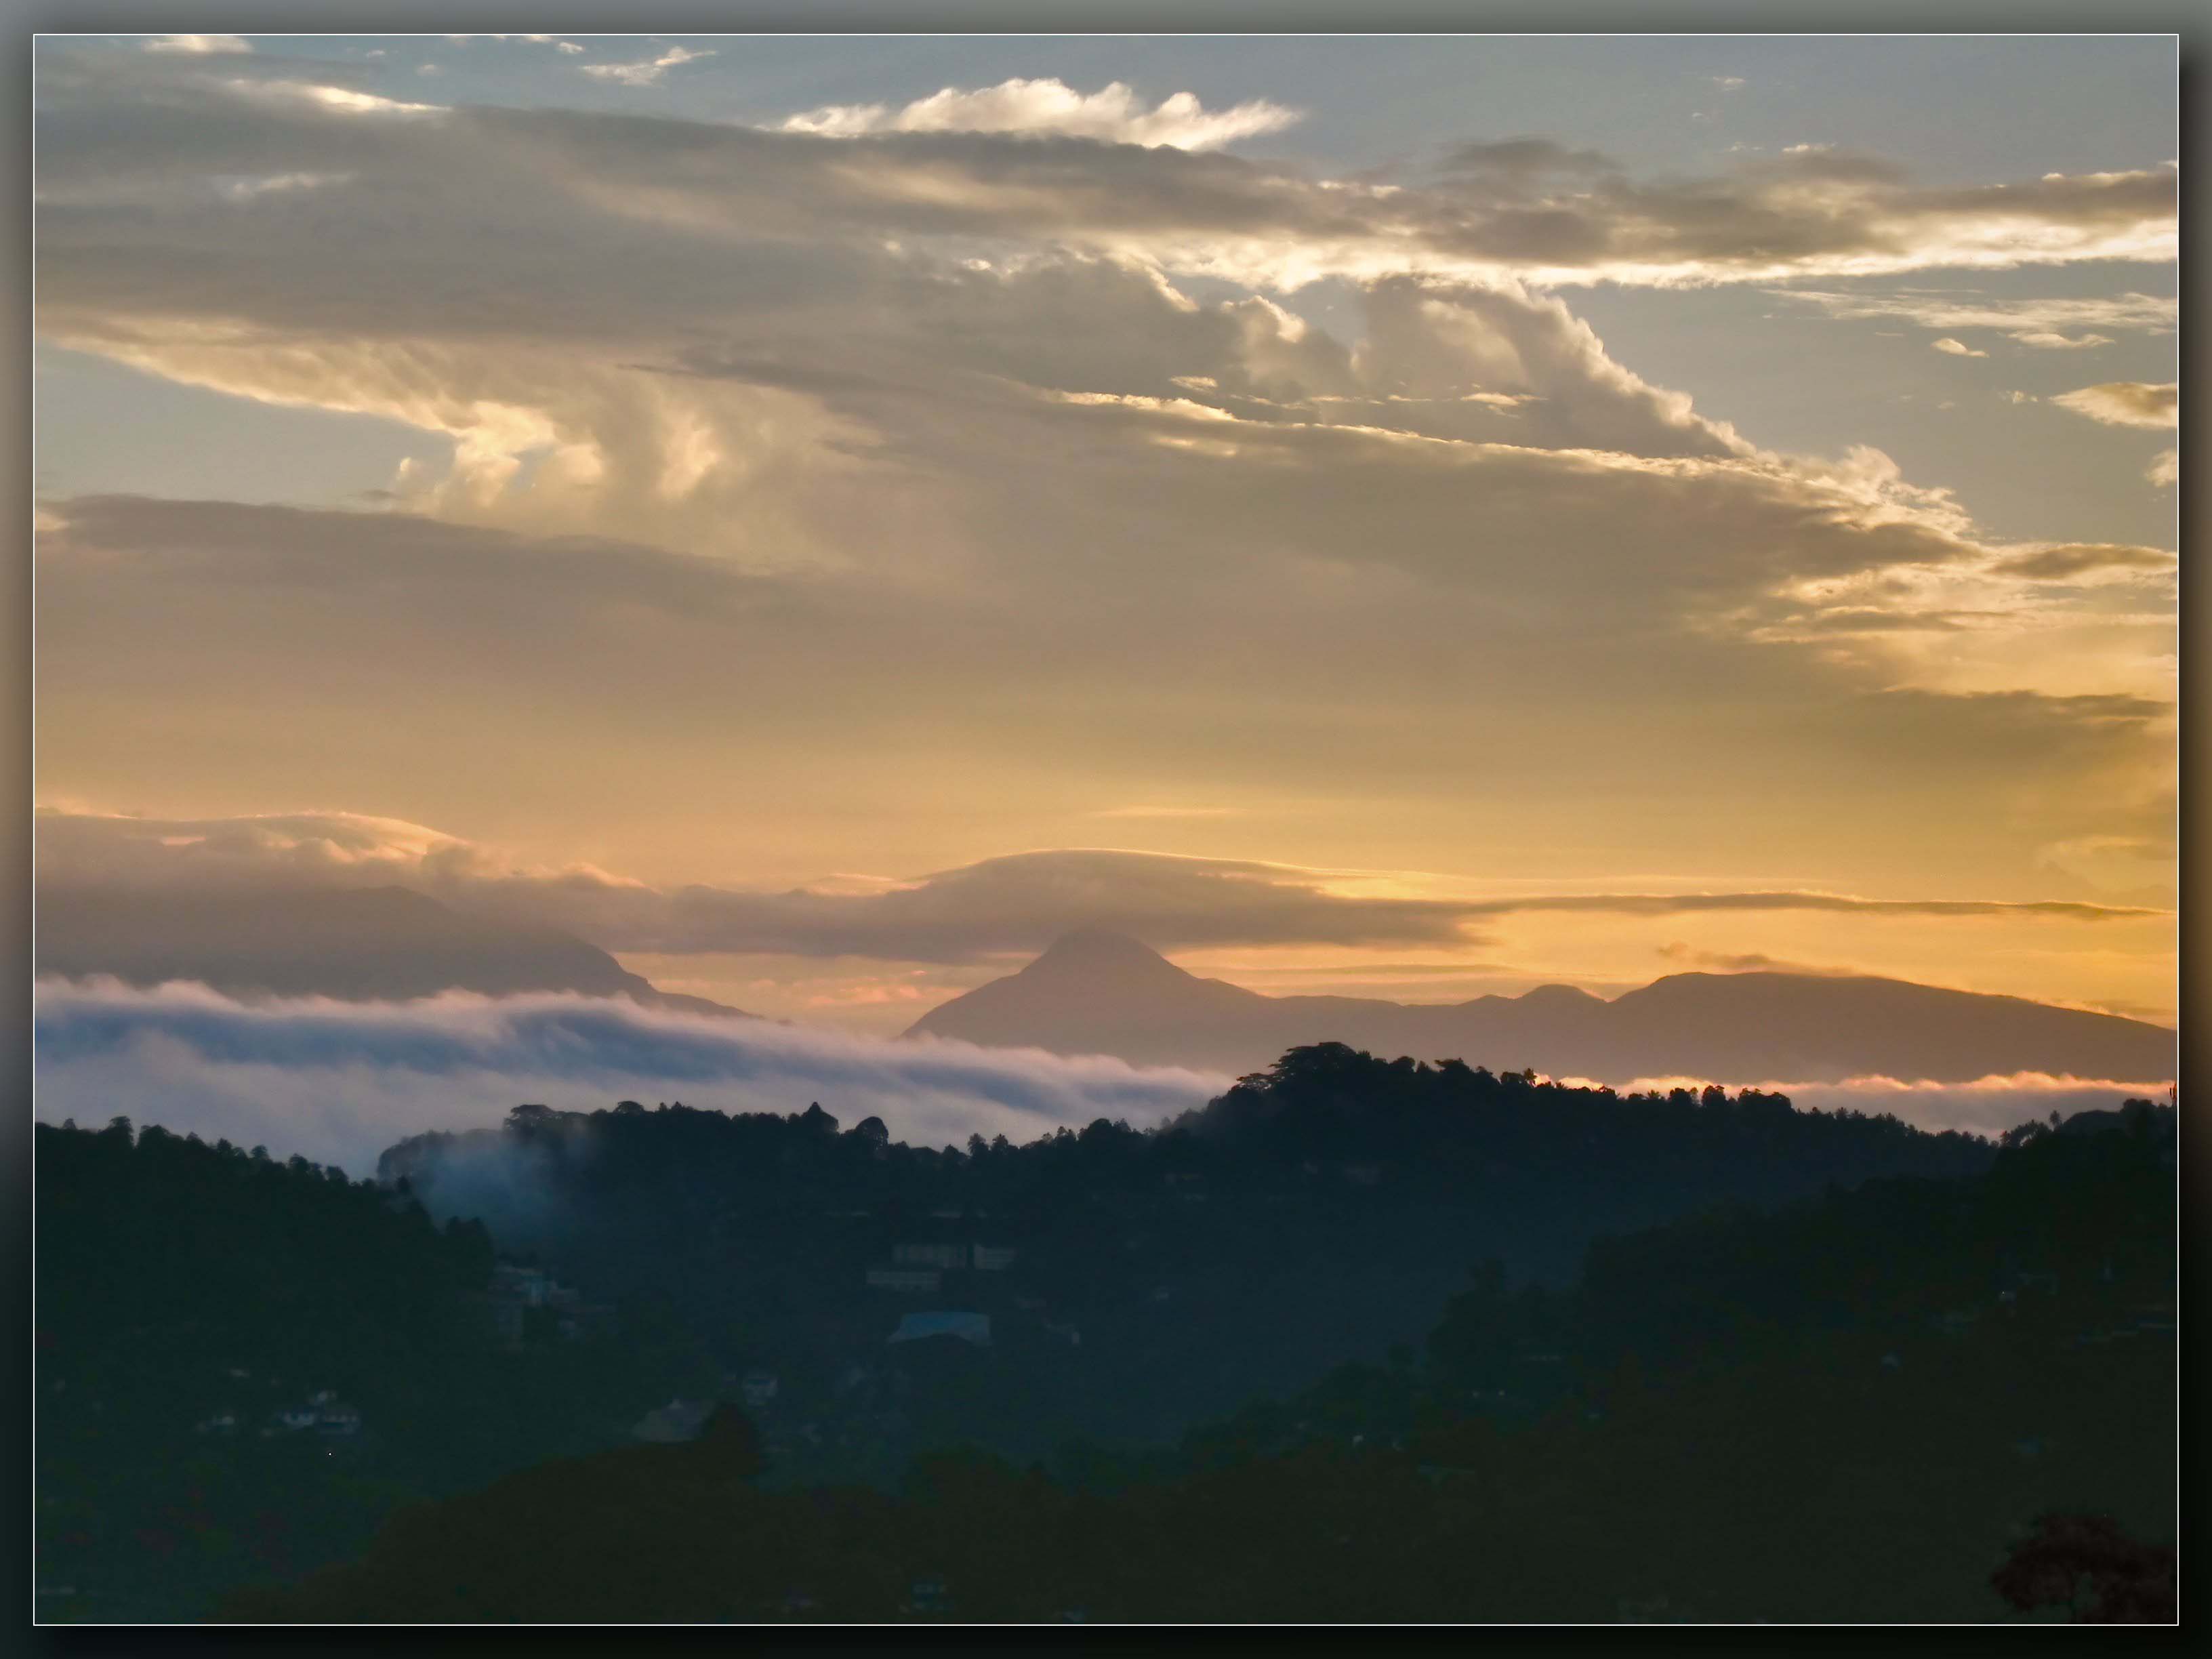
{"x":1786,"y":1381}
{"x":187,"y":1294}
{"x":1319,"y":1212}
{"x":1841,"y":1455}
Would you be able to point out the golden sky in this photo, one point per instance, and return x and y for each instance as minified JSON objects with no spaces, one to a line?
{"x":819,"y":535}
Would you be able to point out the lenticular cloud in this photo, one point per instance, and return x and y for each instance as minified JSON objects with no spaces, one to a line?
{"x":338,"y":1082}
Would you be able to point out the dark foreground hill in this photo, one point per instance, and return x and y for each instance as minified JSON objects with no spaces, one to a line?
{"x":379,"y":943}
{"x":243,"y":1365}
{"x":1851,"y":1411}
{"x":1097,"y":993}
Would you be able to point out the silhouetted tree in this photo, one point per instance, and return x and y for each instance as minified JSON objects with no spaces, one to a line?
{"x":2088,"y":1565}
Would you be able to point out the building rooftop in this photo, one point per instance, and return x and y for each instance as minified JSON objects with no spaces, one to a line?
{"x":968,"y":1326}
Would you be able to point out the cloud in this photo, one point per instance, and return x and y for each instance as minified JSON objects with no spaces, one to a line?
{"x":686,"y":449}
{"x":2074,"y":560}
{"x":1113,"y":114}
{"x":2166,"y":469}
{"x":1744,"y":961}
{"x":1147,"y":641}
{"x":1657,"y":904}
{"x":760,"y":431}
{"x":340,"y":1083}
{"x":790,"y":351}
{"x":1264,"y":224}
{"x":2045,"y":340}
{"x":281,"y":850}
{"x":1957,"y":349}
{"x":999,"y":907}
{"x":646,"y":71}
{"x":2125,"y":403}
{"x":739,"y":325}
{"x":337,"y":1083}
{"x":1497,"y":363}
{"x":553,"y":40}
{"x":198,"y":46}
{"x":1018,"y":903}
{"x":1523,"y":161}
{"x":1987,"y":1107}
{"x":343,"y":100}
{"x":2037,"y":322}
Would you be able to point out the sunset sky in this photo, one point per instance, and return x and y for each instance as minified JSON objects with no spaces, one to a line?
{"x":1414,"y":517}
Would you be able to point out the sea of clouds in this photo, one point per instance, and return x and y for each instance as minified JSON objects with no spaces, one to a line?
{"x":1987,"y":1106}
{"x":338,"y":1082}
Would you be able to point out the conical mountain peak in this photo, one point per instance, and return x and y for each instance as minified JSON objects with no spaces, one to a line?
{"x":1101,"y":952}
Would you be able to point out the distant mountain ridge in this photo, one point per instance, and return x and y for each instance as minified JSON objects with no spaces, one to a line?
{"x":356,"y":944}
{"x":1100,"y":992}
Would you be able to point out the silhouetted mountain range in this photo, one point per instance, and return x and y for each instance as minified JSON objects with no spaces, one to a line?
{"x":1104,"y":993}
{"x":364,"y":943}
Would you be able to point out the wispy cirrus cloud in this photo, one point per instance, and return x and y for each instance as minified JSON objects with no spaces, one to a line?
{"x":338,"y":99}
{"x":2125,"y":403}
{"x":1114,"y":114}
{"x":2043,"y":323}
{"x":2077,"y":562}
{"x":1657,"y":904}
{"x":1743,"y":961}
{"x":569,"y":47}
{"x":2044,"y":339}
{"x":197,"y":46}
{"x":646,"y":71}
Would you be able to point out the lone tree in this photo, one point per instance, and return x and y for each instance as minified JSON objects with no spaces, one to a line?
{"x":2087,"y":1564}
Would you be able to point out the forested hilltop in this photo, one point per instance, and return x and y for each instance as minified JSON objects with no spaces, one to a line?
{"x":1928,"y":1400}
{"x":1135,"y":1280}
